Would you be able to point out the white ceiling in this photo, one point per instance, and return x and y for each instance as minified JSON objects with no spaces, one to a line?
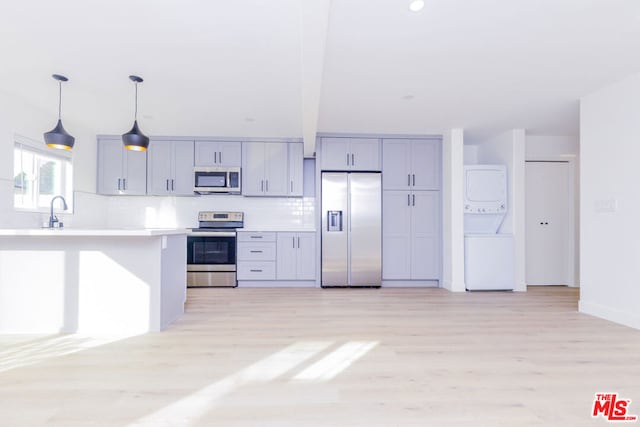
{"x":284,"y":68}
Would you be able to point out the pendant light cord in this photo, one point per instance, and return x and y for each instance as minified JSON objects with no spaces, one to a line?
{"x":135,"y":117}
{"x":60,"y":100}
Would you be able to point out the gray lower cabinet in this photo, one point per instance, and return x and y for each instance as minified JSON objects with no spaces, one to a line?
{"x":218,"y":153}
{"x":296,"y":258}
{"x":256,"y":256}
{"x":170,"y":168}
{"x":120,"y":171}
{"x":276,"y":256}
{"x":411,"y":235}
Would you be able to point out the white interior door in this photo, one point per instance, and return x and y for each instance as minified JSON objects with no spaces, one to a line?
{"x":548,"y":223}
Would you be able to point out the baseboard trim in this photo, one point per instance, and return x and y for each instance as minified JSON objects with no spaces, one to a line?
{"x":410,"y":284}
{"x":617,"y":316}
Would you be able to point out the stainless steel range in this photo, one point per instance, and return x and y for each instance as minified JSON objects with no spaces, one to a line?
{"x":211,"y":250}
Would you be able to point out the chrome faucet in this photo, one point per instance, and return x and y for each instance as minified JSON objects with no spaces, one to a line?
{"x":52,"y":218}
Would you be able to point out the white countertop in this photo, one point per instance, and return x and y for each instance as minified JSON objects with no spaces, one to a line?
{"x":283,"y":229}
{"x":92,"y":232}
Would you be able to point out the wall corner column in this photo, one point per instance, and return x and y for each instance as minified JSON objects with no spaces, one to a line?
{"x":452,"y":211}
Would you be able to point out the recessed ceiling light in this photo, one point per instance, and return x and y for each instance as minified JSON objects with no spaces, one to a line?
{"x":408,"y":97}
{"x":416,"y":5}
{"x":249,"y":119}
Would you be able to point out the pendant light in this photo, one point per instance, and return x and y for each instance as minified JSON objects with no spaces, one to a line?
{"x":58,"y":137}
{"x":134,"y":139}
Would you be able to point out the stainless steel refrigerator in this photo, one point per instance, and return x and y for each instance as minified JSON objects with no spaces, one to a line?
{"x":351,"y":229}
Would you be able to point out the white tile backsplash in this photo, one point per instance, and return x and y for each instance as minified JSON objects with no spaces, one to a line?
{"x":182,"y":212}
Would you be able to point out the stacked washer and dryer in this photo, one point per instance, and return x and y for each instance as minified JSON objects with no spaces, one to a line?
{"x":488,"y":254}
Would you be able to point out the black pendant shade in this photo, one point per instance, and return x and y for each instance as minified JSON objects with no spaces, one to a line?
{"x":58,"y":137}
{"x":134,"y":139}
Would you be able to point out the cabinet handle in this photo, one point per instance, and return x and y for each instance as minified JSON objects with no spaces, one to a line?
{"x":298,"y":242}
{"x":124,"y":183}
{"x":414,"y":200}
{"x":414,"y":179}
{"x":408,"y":199}
{"x":220,"y":156}
{"x":120,"y":180}
{"x":255,"y":252}
{"x":215,"y":157}
{"x":267,"y":186}
{"x":347,"y":159}
{"x":167,"y":184}
{"x":173,"y":181}
{"x":409,"y":179}
{"x":292,"y":186}
{"x":256,"y":271}
{"x":353,"y":162}
{"x":256,"y":237}
{"x":262,"y":185}
{"x":293,"y":242}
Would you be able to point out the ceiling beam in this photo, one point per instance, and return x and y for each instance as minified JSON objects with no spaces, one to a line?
{"x":314,"y":26}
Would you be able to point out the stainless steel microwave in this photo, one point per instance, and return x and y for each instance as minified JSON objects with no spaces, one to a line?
{"x":212,"y":180}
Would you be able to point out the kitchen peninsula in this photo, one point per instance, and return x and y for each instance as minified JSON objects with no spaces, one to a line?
{"x":91,"y":281}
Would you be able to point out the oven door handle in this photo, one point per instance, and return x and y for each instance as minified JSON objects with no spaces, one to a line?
{"x":212,"y":233}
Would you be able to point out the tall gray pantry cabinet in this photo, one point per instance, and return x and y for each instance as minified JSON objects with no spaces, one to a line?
{"x":411,"y":209}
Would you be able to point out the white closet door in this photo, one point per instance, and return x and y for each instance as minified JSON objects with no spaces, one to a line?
{"x":548,"y":198}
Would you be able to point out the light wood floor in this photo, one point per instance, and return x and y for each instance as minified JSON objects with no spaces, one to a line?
{"x":341,"y":357}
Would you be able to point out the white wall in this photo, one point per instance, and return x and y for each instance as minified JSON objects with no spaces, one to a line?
{"x":16,"y":117}
{"x":610,"y":202}
{"x":453,"y":216}
{"x":509,"y":149}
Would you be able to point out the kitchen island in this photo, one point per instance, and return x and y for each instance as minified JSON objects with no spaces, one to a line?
{"x":91,"y":281}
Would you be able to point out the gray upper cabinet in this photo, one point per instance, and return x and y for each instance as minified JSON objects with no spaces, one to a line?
{"x":272,"y":169}
{"x":265,"y":170}
{"x":411,"y":164}
{"x":121,"y":171}
{"x":218,"y":153}
{"x":296,"y":172}
{"x":351,"y":154}
{"x":170,"y":168}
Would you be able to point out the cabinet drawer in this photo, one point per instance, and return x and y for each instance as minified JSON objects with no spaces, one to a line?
{"x":253,"y":251}
{"x":258,"y":236}
{"x":256,"y":270}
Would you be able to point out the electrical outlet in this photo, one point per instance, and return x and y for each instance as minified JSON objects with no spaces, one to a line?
{"x":606,"y":205}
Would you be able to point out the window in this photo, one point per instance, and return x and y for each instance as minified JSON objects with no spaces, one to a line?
{"x":39,"y":174}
